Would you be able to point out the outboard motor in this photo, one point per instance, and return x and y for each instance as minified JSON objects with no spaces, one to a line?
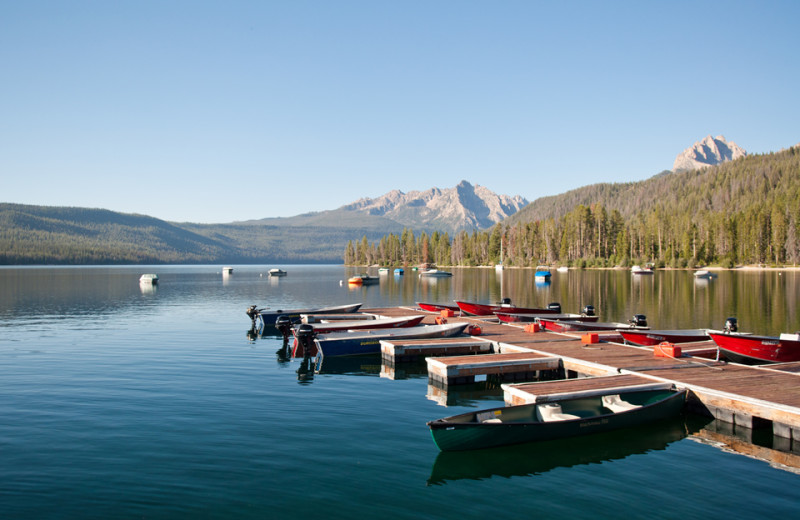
{"x":554,"y":306}
{"x":284,"y":325}
{"x":588,"y":310}
{"x":731,"y":325}
{"x":305,"y":339}
{"x":505,"y":301}
{"x":253,"y":311}
{"x":639,"y":320}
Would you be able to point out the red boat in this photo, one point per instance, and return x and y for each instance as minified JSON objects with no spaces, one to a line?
{"x":638,"y":322}
{"x":649,"y":338}
{"x":510,"y":317}
{"x":750,"y":349}
{"x":437,"y":307}
{"x":482,"y":309}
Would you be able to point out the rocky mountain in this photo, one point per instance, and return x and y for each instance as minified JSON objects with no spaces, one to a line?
{"x":708,"y":152}
{"x":452,"y":209}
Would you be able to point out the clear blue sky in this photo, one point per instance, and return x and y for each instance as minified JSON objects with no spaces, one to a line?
{"x":232,"y":110}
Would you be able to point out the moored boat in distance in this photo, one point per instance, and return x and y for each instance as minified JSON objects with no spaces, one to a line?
{"x":435,"y":273}
{"x":149,"y":279}
{"x":369,"y":341}
{"x":637,"y":269}
{"x":363,"y":279}
{"x":277,"y":272}
{"x":482,"y":309}
{"x":639,"y":322}
{"x":704,"y":273}
{"x":542,"y":273}
{"x":649,"y":338}
{"x":581,"y":414}
{"x":399,"y":271}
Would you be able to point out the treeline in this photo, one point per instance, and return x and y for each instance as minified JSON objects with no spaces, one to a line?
{"x":743,"y":212}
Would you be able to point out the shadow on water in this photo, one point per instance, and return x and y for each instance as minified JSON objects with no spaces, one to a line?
{"x":541,"y":457}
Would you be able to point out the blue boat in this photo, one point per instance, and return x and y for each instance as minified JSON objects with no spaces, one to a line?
{"x":542,"y":274}
{"x":399,"y":271}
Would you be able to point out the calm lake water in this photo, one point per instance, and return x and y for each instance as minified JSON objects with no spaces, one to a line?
{"x":119,"y":402}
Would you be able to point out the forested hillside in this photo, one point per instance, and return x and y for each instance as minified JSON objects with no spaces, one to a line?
{"x":60,"y":235}
{"x":741,"y":212}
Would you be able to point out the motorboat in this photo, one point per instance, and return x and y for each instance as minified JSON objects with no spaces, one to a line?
{"x":751,"y":349}
{"x":148,"y":279}
{"x":482,"y":309}
{"x":435,"y":273}
{"x":638,"y":322}
{"x":542,"y":273}
{"x":637,"y":269}
{"x":649,"y":338}
{"x":268,"y":316}
{"x":363,"y":279}
{"x":369,"y":341}
{"x":277,"y":272}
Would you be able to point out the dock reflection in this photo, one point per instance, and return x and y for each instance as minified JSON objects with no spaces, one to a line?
{"x":541,"y":457}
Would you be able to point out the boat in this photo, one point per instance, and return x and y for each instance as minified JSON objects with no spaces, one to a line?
{"x":148,"y":279}
{"x":637,"y":269}
{"x":482,"y":309}
{"x":558,"y":418}
{"x":383,"y":270}
{"x":542,"y":273}
{"x":369,"y":341}
{"x":399,"y":271}
{"x":227,"y":270}
{"x":638,"y":322}
{"x":751,"y":349}
{"x":704,"y":273}
{"x":536,"y":458}
{"x":437,"y":307}
{"x":434,"y":273}
{"x":511,"y":317}
{"x":268,"y":316}
{"x":363,"y":279}
{"x":327,"y":327}
{"x":649,"y":338}
{"x":563,"y":269}
{"x":277,"y":272}
{"x":327,"y":318}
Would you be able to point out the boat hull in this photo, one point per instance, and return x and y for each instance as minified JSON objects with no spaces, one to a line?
{"x":511,"y":317}
{"x":268,"y":317}
{"x":575,"y":326}
{"x":384,"y":323}
{"x":750,"y":349}
{"x":437,"y":307}
{"x":468,"y":432}
{"x":369,"y":342}
{"x":649,"y":338}
{"x":481,"y":309}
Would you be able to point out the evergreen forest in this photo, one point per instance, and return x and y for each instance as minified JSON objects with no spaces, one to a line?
{"x":744,"y":212}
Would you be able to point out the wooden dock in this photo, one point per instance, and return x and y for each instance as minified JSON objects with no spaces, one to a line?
{"x":747,"y":396}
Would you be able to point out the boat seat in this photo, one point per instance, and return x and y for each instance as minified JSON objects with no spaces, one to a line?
{"x":616,"y":404}
{"x":552,"y":412}
{"x":487,"y":417}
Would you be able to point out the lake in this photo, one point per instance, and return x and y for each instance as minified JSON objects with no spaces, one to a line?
{"x":119,"y":401}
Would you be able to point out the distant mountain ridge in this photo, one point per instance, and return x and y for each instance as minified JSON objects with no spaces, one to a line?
{"x":708,"y":152}
{"x":454,"y":209}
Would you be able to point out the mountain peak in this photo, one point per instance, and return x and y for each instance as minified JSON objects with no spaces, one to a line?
{"x":708,"y":152}
{"x":452,"y":209}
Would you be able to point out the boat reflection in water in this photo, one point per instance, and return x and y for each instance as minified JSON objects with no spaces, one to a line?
{"x":540,"y":457}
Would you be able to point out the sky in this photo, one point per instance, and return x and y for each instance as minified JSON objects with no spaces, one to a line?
{"x":215,"y":112}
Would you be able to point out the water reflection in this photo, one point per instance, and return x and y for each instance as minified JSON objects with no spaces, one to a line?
{"x":541,"y":457}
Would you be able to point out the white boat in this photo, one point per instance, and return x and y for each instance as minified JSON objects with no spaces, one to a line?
{"x":704,"y":273}
{"x":277,"y":272}
{"x":434,"y":273}
{"x":148,"y":279}
{"x":563,"y":269}
{"x":637,"y":269}
{"x":227,"y":270}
